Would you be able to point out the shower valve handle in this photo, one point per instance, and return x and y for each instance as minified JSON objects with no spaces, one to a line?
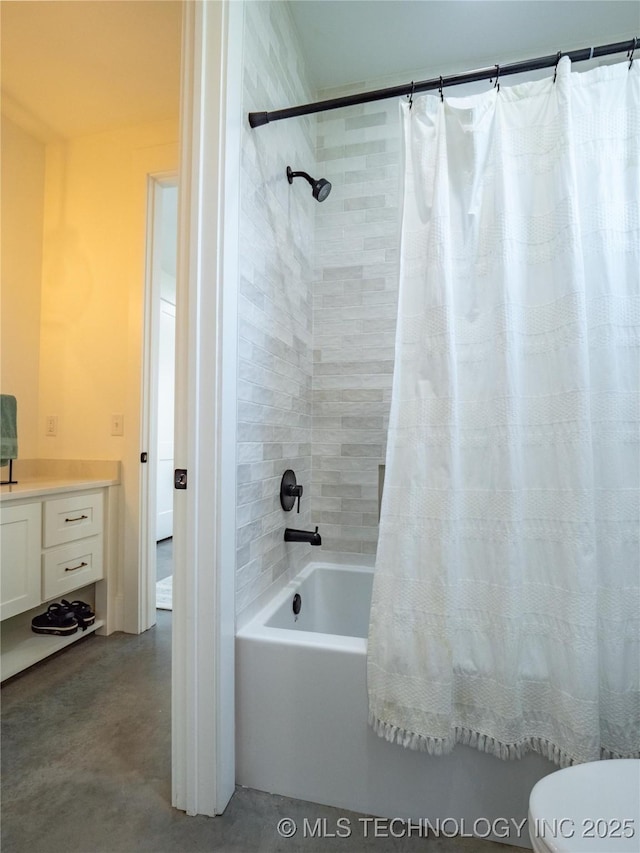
{"x":296,"y":492}
{"x":289,"y":491}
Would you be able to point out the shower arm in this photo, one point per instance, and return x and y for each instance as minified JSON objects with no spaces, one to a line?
{"x":291,"y":175}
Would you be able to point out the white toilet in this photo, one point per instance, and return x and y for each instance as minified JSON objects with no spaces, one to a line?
{"x":587,"y":808}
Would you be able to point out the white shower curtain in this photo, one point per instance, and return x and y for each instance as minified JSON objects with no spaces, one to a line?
{"x":506,"y":606}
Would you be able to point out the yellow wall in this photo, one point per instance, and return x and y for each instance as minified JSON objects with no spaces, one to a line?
{"x":23,"y":175}
{"x":72,"y":297}
{"x":74,"y":229}
{"x":93,"y":286}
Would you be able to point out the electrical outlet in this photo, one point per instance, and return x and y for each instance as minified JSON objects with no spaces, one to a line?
{"x":51,"y":425}
{"x":117,"y":424}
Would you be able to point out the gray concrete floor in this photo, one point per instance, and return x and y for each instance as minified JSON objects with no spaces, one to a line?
{"x":86,"y":767}
{"x":164,"y":558}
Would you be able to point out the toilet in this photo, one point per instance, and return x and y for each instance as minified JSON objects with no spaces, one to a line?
{"x":587,"y":808}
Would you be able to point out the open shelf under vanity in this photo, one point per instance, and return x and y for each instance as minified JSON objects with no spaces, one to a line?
{"x":21,"y":647}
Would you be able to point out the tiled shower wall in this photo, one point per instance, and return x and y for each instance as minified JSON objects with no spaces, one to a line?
{"x":317,"y":308}
{"x":274,"y":305}
{"x":355,"y":291}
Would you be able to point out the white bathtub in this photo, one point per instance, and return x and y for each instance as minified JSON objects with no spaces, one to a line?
{"x":302,"y":721}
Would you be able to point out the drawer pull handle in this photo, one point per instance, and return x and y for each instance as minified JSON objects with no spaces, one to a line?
{"x":74,"y":568}
{"x":80,"y":518}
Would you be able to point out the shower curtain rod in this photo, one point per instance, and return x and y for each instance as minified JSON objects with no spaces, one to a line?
{"x":256,"y":119}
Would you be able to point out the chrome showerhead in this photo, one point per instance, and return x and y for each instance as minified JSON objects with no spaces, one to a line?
{"x":319,"y":187}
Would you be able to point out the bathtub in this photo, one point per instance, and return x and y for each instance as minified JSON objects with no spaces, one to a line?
{"x":301,"y":721}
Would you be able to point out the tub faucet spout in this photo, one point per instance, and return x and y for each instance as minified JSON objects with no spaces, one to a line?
{"x":313,"y":538}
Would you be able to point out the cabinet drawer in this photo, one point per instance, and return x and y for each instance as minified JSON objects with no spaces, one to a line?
{"x":71,"y":567}
{"x":68,"y":519}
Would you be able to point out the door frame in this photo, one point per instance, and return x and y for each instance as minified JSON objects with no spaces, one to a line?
{"x":203,"y":706}
{"x":166,"y":406}
{"x":149,"y":430}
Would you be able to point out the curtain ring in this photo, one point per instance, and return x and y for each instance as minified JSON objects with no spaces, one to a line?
{"x":555,"y":72}
{"x":632,"y":51}
{"x":440,"y":90}
{"x":497,"y":83}
{"x":410,"y":95}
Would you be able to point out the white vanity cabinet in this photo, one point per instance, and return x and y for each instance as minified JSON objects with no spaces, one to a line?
{"x":20,"y":582}
{"x":51,"y":545}
{"x":75,"y":525}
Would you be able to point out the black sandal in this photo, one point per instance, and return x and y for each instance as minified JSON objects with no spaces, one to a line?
{"x":59,"y":619}
{"x":82,"y":612}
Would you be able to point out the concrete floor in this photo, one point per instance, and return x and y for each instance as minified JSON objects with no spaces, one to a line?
{"x":164,"y":558}
{"x":86,"y":767}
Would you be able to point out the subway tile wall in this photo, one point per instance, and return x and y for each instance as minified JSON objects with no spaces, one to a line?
{"x":317,"y":307}
{"x":355,"y":291}
{"x":274,"y":307}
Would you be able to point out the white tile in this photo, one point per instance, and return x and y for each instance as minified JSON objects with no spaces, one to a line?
{"x":317,"y":305}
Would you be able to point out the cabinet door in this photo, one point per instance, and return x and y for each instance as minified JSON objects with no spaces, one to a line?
{"x":19,"y":558}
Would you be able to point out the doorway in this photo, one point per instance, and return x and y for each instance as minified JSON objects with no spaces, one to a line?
{"x":211,"y":50}
{"x":159,"y":394}
{"x":165,"y":421}
{"x":167,"y":210}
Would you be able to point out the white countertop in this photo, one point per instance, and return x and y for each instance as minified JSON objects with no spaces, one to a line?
{"x":38,"y":478}
{"x":41,"y":488}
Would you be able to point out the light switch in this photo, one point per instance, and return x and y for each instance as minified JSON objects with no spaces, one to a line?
{"x":51,"y":425}
{"x":117,"y":424}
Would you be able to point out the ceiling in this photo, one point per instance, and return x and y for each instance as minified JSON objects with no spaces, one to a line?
{"x":75,"y":67}
{"x":349,"y":41}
